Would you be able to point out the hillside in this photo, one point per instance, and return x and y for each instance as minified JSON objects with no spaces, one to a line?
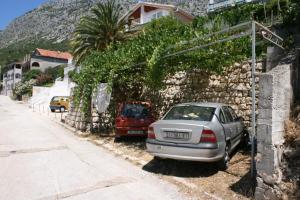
{"x":56,"y":19}
{"x":51,"y":25}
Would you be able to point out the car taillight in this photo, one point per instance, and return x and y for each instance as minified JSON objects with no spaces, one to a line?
{"x":151,"y":134}
{"x":208,"y":136}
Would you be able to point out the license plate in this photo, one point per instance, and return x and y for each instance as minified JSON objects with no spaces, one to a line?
{"x":136,"y":132}
{"x":177,"y":135}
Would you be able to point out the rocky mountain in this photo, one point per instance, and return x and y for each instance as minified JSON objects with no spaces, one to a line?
{"x":56,"y":19}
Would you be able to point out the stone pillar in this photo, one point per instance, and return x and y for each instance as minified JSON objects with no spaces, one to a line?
{"x":275,"y":96}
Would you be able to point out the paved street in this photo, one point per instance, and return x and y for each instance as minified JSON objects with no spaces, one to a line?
{"x":41,"y":160}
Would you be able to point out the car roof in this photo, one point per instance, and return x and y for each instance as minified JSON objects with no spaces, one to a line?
{"x":208,"y":104}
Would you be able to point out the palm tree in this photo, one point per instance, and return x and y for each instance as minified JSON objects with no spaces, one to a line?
{"x":97,"y":31}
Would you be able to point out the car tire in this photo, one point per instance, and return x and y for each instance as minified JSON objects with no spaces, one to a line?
{"x":156,"y":158}
{"x":117,"y":139}
{"x":62,"y":109}
{"x":52,"y":110}
{"x":224,"y":163}
{"x":245,"y":142}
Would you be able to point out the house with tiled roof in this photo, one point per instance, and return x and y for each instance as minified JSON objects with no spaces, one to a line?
{"x":144,"y":12}
{"x":42,"y":59}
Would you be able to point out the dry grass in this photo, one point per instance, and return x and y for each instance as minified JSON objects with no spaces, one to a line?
{"x":197,"y":180}
{"x":292,"y":132}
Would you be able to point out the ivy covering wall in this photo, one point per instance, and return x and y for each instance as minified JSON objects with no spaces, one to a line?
{"x":142,"y":59}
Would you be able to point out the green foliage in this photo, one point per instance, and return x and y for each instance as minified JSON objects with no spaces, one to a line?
{"x":98,"y":30}
{"x":55,"y":72}
{"x":145,"y":59}
{"x":24,"y":88}
{"x":44,"y":79}
{"x":32,"y":74}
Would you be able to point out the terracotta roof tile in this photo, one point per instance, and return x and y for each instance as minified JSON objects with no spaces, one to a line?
{"x":54,"y":54}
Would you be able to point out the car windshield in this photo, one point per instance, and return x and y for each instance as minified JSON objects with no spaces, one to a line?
{"x":190,"y":112}
{"x":59,"y":98}
{"x":135,"y":111}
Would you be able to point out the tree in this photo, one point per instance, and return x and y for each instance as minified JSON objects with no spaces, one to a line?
{"x":97,"y":31}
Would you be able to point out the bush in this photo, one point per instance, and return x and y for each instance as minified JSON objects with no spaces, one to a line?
{"x":44,"y":79}
{"x":55,"y":72}
{"x":32,"y":74}
{"x":24,"y":88}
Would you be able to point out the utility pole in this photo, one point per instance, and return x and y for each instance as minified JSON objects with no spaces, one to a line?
{"x":253,"y":136}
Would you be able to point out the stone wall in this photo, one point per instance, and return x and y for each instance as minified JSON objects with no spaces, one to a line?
{"x":275,"y":100}
{"x":232,"y":87}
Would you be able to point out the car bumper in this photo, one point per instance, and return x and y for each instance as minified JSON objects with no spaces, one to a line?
{"x":54,"y":107}
{"x":129,"y":131}
{"x":190,"y":152}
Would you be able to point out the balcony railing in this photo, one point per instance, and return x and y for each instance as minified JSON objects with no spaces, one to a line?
{"x":223,"y":4}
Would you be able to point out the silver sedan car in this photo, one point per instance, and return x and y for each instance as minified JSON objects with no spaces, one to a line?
{"x":206,"y":132}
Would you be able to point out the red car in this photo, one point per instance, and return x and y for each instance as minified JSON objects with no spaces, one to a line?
{"x":133,"y":119}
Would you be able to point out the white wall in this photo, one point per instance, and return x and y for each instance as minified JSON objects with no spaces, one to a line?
{"x":148,"y":16}
{"x":43,"y":95}
{"x":46,"y":63}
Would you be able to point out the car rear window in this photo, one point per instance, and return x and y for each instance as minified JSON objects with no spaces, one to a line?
{"x":135,"y":111}
{"x":191,"y":112}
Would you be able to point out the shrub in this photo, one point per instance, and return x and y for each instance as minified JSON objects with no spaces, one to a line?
{"x":32,"y":74}
{"x":55,"y":72}
{"x":44,"y":79}
{"x":24,"y":88}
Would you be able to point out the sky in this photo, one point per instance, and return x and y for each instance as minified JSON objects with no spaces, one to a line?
{"x":10,"y":9}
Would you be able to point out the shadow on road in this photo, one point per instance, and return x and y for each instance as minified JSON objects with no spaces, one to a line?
{"x":135,"y":142}
{"x":245,"y":186}
{"x":181,"y":168}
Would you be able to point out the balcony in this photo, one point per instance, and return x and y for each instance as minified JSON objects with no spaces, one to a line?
{"x":218,"y":4}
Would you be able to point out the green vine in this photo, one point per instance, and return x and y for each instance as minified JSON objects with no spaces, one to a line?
{"x":144,"y":58}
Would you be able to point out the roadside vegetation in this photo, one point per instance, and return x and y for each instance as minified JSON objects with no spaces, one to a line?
{"x":143,"y":59}
{"x":35,"y":77}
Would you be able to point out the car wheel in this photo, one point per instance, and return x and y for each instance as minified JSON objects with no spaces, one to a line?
{"x":62,"y":109}
{"x":245,"y":142}
{"x":224,"y":163}
{"x":52,"y":110}
{"x":156,"y":158}
{"x":117,"y":139}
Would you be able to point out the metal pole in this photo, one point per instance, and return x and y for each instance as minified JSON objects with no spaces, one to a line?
{"x":253,"y":100}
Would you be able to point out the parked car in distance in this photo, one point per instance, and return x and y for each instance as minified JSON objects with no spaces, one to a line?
{"x":60,"y":103}
{"x":133,"y":119}
{"x":206,"y":132}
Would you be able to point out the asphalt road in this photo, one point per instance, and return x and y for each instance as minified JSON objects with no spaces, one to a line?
{"x":39,"y":159}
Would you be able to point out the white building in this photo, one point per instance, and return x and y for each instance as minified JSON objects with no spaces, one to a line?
{"x":42,"y":59}
{"x":11,"y":76}
{"x":144,"y":12}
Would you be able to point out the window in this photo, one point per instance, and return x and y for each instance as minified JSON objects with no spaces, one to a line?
{"x":18,"y":75}
{"x":18,"y":66}
{"x":227,"y":114}
{"x":233,"y":114}
{"x":191,"y":112}
{"x":157,"y":15}
{"x":138,"y":111}
{"x":222,"y":117}
{"x":35,"y":64}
